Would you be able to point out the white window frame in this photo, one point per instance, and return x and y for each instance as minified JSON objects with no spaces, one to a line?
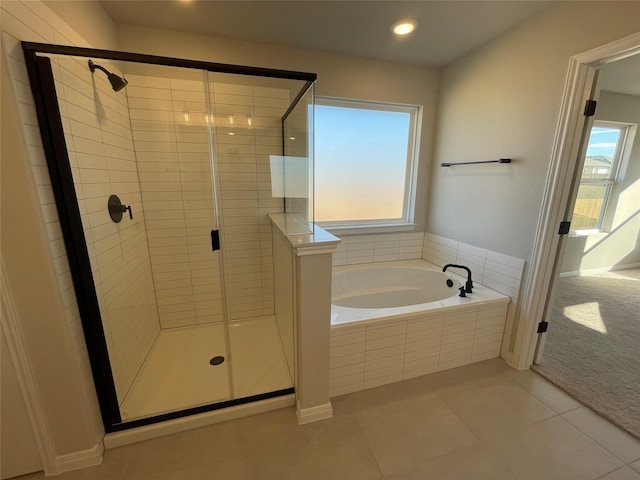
{"x":406,"y":222}
{"x":618,"y":165}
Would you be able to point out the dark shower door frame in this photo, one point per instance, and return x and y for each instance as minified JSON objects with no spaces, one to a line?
{"x":54,"y":145}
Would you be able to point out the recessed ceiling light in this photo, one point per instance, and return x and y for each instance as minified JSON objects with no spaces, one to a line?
{"x":404,"y":27}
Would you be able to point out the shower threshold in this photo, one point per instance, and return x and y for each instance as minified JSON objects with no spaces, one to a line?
{"x":178,"y":373}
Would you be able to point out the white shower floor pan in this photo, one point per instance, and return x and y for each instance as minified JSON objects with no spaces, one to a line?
{"x":177,"y":374}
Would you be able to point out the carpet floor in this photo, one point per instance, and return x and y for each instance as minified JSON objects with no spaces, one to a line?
{"x":593,"y":344}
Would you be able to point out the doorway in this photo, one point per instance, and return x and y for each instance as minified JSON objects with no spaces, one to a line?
{"x":590,"y":348}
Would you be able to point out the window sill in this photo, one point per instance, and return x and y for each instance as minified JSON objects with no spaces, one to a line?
{"x":364,"y":229}
{"x":588,"y":233}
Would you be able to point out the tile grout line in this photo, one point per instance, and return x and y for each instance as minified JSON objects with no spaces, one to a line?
{"x":366,"y":441}
{"x":596,"y":440}
{"x":545,"y":403}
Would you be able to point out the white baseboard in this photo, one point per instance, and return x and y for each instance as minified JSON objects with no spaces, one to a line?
{"x":313,"y":414}
{"x":77,"y":460}
{"x":134,"y":435}
{"x":593,"y":271}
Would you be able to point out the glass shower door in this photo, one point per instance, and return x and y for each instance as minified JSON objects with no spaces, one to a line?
{"x":163,"y":184}
{"x":188,"y":365}
{"x":157,"y":281}
{"x":246,"y":114}
{"x":297,"y":161}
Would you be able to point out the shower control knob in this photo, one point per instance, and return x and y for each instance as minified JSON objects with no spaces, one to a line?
{"x":116,"y":209}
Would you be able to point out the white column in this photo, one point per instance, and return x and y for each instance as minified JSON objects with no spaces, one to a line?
{"x":312,"y":258}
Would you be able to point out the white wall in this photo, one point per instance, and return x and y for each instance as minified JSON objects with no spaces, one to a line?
{"x":20,"y":455}
{"x":504,"y":101}
{"x":87,"y":19}
{"x":620,"y":246}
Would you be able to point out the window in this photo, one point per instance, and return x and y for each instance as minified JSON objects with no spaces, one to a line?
{"x":365,"y":163}
{"x":599,"y":173}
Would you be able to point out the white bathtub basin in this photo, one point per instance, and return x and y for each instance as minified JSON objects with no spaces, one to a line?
{"x":376,"y":291}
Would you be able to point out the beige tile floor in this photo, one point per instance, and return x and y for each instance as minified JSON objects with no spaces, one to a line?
{"x":482,"y":421}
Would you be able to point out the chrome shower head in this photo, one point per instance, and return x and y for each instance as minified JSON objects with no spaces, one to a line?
{"x":117,"y":83}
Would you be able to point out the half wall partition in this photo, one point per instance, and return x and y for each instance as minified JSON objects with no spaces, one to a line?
{"x":162,"y":188}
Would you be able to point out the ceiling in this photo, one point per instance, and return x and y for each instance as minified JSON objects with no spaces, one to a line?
{"x":622,"y":76}
{"x":447,"y":29}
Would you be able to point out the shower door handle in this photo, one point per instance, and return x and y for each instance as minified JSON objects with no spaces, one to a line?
{"x":215,"y":240}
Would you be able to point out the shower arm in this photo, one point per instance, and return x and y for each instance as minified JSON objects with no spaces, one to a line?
{"x":93,"y":66}
{"x":117,"y":82}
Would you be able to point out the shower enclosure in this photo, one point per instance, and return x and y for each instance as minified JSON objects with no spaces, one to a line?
{"x":164,"y":171}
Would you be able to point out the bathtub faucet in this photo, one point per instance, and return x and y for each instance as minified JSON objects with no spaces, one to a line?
{"x":469,"y":285}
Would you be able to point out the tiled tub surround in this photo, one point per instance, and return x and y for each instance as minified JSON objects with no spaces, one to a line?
{"x":499,"y":272}
{"x":494,"y":270}
{"x":383,"y":247}
{"x":372,"y":347}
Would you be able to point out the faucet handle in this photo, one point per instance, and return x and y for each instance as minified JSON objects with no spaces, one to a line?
{"x":462,"y":292}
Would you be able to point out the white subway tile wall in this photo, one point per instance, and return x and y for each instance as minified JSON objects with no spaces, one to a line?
{"x":170,"y":120}
{"x":103,"y":162}
{"x":494,"y":270}
{"x":499,"y":272}
{"x":172,"y":146}
{"x":378,"y":248}
{"x":247,"y":130}
{"x":367,"y":356}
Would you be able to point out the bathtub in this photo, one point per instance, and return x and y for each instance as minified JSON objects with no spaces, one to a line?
{"x":374,"y":292}
{"x":392,"y":321}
